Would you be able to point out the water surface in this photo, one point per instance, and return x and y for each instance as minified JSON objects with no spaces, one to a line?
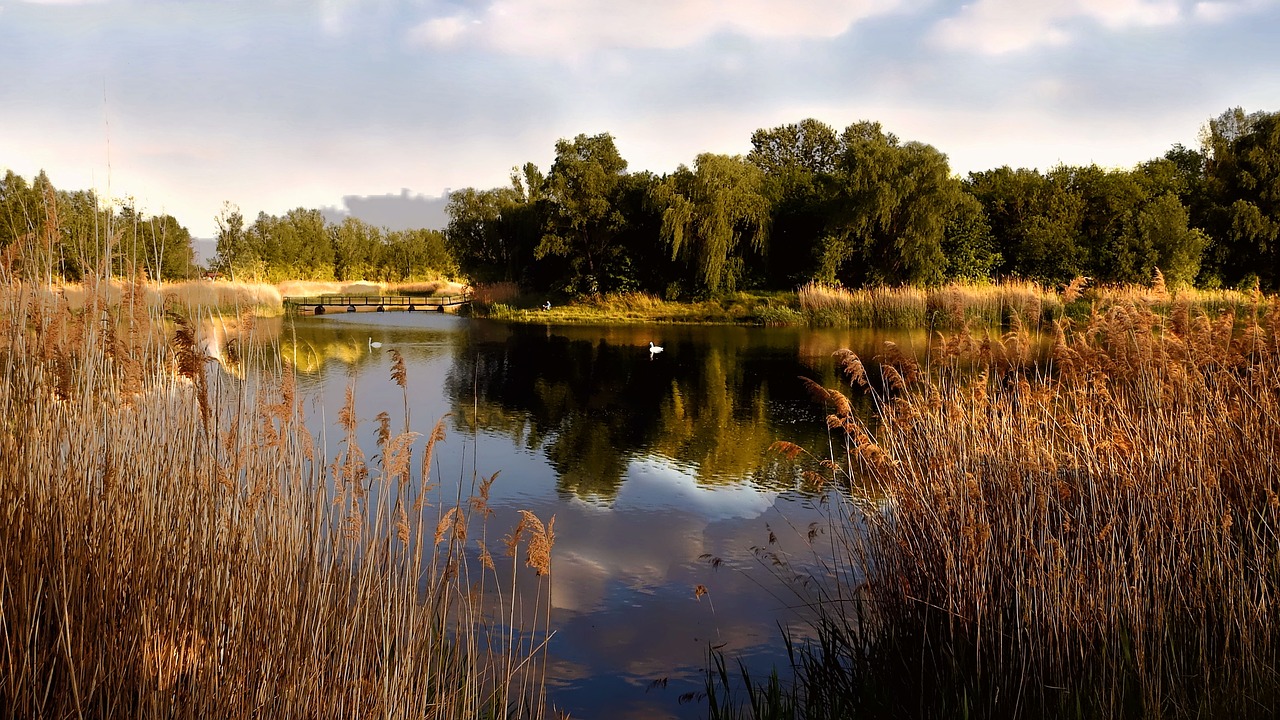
{"x":651,"y":464}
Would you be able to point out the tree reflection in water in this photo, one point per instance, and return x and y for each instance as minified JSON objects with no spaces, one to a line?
{"x":593,"y":401}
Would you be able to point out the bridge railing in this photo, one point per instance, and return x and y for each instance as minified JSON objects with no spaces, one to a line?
{"x":296,"y":301}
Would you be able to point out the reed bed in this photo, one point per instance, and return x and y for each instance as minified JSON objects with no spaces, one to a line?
{"x":1094,"y":538}
{"x":194,"y":296}
{"x":951,"y":306}
{"x":486,"y":294}
{"x":173,"y":543}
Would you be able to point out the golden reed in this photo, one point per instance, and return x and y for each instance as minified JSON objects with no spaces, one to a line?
{"x":1095,"y":533}
{"x":174,"y":544}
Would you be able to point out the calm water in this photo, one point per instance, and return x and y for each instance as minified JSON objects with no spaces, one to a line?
{"x":649,"y":463}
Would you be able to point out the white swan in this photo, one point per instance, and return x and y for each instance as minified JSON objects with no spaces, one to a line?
{"x":654,"y":349}
{"x":373,"y":344}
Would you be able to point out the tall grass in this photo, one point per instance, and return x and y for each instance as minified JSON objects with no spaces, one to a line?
{"x":174,"y":544}
{"x":950,"y":306}
{"x":1095,"y":538}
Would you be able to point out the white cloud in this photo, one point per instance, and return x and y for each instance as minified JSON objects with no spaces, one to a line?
{"x":574,"y":28}
{"x":442,"y":31}
{"x":1216,"y":11}
{"x":996,"y":27}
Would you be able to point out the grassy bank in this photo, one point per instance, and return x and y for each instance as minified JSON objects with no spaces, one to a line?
{"x":1098,"y":539}
{"x":173,"y":543}
{"x":950,"y":307}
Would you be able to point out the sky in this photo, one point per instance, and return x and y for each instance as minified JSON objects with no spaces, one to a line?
{"x":180,"y":107}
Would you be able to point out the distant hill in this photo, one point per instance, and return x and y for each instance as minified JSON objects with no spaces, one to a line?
{"x":204,"y":250}
{"x":394,"y":212}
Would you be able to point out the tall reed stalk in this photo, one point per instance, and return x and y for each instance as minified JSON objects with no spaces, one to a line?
{"x":1096,"y":537}
{"x":174,"y":544}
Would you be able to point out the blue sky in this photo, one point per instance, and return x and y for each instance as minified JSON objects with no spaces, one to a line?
{"x":274,"y":104}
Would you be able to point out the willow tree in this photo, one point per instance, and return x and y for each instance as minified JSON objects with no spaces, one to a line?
{"x":891,"y":205}
{"x":709,"y":211}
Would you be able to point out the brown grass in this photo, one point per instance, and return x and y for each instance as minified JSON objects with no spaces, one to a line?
{"x":1100,"y":534}
{"x":950,"y":306}
{"x":172,"y":542}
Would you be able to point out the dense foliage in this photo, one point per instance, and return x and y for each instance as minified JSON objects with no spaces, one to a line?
{"x":70,"y":235}
{"x":301,"y":244}
{"x":859,"y":207}
{"x":50,"y":233}
{"x":862,"y":207}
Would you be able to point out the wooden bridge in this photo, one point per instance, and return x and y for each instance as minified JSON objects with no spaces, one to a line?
{"x":320,"y":304}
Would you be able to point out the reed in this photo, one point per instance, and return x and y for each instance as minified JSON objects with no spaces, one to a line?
{"x":948,"y":307}
{"x":1096,"y":537}
{"x":173,"y":542}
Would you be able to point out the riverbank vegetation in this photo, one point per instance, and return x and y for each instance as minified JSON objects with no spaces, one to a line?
{"x":950,"y":307}
{"x":173,"y":541}
{"x":859,"y":208}
{"x":1094,"y":538}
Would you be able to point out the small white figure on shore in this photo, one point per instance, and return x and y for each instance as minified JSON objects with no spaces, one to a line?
{"x":546,"y":305}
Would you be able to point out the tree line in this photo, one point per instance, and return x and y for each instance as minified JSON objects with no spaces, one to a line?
{"x":46,"y":233}
{"x":807,"y":203}
{"x":862,"y":207}
{"x":302,"y":245}
{"x":49,"y":234}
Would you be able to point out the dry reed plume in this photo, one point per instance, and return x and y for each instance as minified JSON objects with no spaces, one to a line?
{"x":950,"y":306}
{"x":1095,"y":537}
{"x":173,"y":544}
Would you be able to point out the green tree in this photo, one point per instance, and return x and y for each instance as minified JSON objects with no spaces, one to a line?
{"x":708,"y":213}
{"x":1112,"y":250}
{"x":798,"y":161}
{"x":1242,"y":214}
{"x":808,"y":146}
{"x":232,"y":245}
{"x":408,"y":254}
{"x":582,"y":219}
{"x":968,"y":244}
{"x":891,"y":206}
{"x":1176,"y":248}
{"x":481,"y":233}
{"x":355,"y":249}
{"x":1035,"y":220}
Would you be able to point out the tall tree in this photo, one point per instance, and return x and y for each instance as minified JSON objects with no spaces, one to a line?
{"x":485,"y":235}
{"x":1243,"y":184}
{"x":891,"y":207}
{"x":583,"y":220}
{"x":968,"y":244}
{"x":708,"y":213}
{"x":231,"y":247}
{"x":1175,"y":247}
{"x":1035,"y":219}
{"x":809,"y":145}
{"x":355,"y":249}
{"x":798,"y":161}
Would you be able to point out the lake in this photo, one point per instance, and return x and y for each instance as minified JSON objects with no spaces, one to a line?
{"x":652,"y":464}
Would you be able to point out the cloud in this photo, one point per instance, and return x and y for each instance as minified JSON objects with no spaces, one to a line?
{"x":442,"y":31}
{"x":997,"y":27}
{"x":574,"y":28}
{"x":1216,"y":11}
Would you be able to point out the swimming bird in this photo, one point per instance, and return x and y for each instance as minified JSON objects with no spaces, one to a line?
{"x":654,"y":349}
{"x":373,"y":344}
